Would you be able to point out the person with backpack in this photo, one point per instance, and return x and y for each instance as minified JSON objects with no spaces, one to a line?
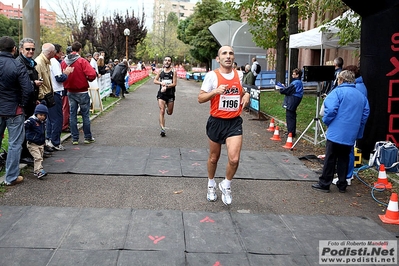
{"x":255,"y":68}
{"x":167,"y":81}
{"x":118,"y":77}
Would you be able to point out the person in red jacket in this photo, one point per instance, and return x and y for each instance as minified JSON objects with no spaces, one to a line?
{"x":78,"y":92}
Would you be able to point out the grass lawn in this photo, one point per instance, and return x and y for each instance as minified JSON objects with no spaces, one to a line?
{"x":271,"y":104}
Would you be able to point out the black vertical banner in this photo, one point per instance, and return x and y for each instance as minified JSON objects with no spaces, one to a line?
{"x":379,"y":66}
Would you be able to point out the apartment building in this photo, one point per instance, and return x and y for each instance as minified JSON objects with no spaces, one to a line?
{"x":47,"y":18}
{"x":183,"y":9}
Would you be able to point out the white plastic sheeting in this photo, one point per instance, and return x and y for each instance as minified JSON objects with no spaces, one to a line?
{"x":237,"y":35}
{"x":321,"y":39}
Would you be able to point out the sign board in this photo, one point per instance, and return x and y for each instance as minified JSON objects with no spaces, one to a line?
{"x":96,"y":103}
{"x":99,"y":88}
{"x":254,"y":100}
{"x":254,"y":93}
{"x":104,"y":83}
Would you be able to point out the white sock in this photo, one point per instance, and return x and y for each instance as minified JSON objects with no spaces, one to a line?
{"x":211,"y":182}
{"x":226,"y":183}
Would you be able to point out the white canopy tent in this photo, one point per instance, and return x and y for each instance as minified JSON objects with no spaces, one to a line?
{"x":322,"y":37}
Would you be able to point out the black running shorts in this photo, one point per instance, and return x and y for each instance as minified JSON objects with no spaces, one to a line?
{"x":219,"y":129}
{"x":167,"y":98}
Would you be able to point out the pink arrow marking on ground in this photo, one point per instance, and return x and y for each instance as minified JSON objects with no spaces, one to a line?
{"x":77,"y":148}
{"x":196,"y":164}
{"x":193,"y":151}
{"x":60,"y":161}
{"x":304,"y":176}
{"x":156,"y":239}
{"x":165,"y":156}
{"x":286,"y":160}
{"x":163,"y":171}
{"x":207,"y":220}
{"x":217,"y":264}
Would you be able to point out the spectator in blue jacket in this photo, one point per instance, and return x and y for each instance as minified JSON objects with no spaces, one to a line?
{"x":345,"y":113}
{"x":35,"y":130}
{"x":15,"y":92}
{"x":362,"y":88}
{"x":293,"y":97}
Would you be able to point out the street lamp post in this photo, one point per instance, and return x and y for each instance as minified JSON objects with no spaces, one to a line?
{"x":126,"y":32}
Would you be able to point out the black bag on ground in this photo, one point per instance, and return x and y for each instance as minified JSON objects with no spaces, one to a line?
{"x":49,"y":98}
{"x":386,"y":153}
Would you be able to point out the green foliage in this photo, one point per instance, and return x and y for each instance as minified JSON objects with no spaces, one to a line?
{"x":172,"y":19}
{"x":263,"y":17}
{"x":59,"y":35}
{"x":11,"y":28}
{"x":325,"y":10}
{"x":195,"y":31}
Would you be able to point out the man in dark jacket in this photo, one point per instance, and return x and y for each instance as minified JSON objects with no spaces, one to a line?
{"x":15,"y":90}
{"x":26,"y":53}
{"x":118,"y":76}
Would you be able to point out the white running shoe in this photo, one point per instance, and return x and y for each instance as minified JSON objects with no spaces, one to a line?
{"x":49,"y":144}
{"x":211,"y":195}
{"x":59,"y":148}
{"x":348,"y":180}
{"x":226,"y":194}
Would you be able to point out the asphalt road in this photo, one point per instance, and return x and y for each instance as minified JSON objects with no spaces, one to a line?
{"x":133,"y":121}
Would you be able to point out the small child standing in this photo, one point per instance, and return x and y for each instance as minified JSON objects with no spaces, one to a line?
{"x":35,"y":128}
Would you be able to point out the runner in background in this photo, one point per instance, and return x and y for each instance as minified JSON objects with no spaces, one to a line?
{"x":167,"y":81}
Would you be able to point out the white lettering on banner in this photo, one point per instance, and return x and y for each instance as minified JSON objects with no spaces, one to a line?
{"x":104,"y":83}
{"x":229,"y":102}
{"x":358,"y":252}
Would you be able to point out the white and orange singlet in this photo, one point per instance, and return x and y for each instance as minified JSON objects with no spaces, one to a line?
{"x":227,"y":105}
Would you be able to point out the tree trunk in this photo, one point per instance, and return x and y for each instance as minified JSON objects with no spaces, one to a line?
{"x":292,"y":29}
{"x":281,"y":44}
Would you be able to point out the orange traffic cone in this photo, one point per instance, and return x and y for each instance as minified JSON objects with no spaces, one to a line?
{"x":271,"y":125}
{"x":288,"y":144}
{"x":276,"y":135}
{"x":392,"y":214}
{"x":382,"y":181}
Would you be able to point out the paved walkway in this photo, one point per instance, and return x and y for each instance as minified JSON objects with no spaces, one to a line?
{"x":95,"y":236}
{"x":134,"y":198}
{"x":174,"y":162}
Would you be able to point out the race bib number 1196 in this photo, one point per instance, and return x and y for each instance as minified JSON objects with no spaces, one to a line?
{"x":229,"y":102}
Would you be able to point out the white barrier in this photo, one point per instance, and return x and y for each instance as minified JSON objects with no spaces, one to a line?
{"x":99,"y":88}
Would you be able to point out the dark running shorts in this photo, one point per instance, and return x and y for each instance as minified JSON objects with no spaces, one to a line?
{"x":165,"y":97}
{"x":219,"y":129}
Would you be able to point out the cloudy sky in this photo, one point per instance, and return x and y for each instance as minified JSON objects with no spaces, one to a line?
{"x":106,"y":8}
